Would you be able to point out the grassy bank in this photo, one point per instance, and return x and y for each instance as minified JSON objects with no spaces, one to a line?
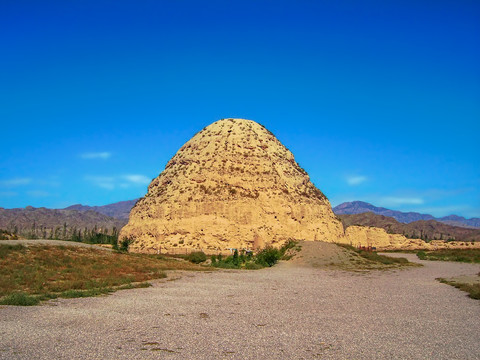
{"x":472,"y":288}
{"x":31,"y":274}
{"x":374,"y":257}
{"x":461,"y":255}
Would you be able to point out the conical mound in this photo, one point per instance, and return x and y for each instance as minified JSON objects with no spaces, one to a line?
{"x":233,"y":185}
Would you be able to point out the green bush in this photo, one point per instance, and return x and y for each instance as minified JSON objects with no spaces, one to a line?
{"x":268,"y":256}
{"x":421,"y":255}
{"x":197,"y":257}
{"x":253,"y":266}
{"x":125,"y":244}
{"x":235,"y":259}
{"x":20,"y":299}
{"x":290,"y":244}
{"x":225,"y":265}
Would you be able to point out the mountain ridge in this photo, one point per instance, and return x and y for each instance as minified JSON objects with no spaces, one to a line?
{"x":117,"y":210}
{"x":359,"y":207}
{"x":31,"y":222}
{"x":422,"y":229}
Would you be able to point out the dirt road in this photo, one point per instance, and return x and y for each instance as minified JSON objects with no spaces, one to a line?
{"x":284,"y":312}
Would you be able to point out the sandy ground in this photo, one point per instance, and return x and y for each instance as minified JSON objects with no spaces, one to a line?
{"x":284,"y":312}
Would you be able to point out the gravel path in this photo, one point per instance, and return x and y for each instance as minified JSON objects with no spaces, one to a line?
{"x":285,"y":312}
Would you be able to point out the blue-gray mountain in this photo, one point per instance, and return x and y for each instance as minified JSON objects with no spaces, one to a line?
{"x":43,"y":223}
{"x":118,"y":210}
{"x":359,"y":207}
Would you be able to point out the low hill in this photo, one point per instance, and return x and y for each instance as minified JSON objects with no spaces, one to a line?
{"x":46,"y":223}
{"x":359,"y":207}
{"x":422,"y":229}
{"x":118,"y":210}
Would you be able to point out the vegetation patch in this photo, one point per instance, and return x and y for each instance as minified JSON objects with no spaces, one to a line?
{"x":370,"y":259}
{"x":7,"y":235}
{"x":32,"y":274}
{"x":461,"y":255}
{"x":20,"y":299}
{"x":472,"y":288}
{"x":386,"y":260}
{"x":197,"y":257}
{"x":266,"y":257}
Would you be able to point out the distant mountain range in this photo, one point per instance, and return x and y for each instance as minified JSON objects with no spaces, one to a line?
{"x":421,"y":229}
{"x":46,"y":223}
{"x":118,"y":210}
{"x":358,"y":207}
{"x":62,"y":223}
{"x":69,"y":223}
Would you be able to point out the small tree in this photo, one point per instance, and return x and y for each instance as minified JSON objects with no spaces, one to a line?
{"x":268,"y":256}
{"x":125,"y":244}
{"x":235,"y":258}
{"x":197,"y":257}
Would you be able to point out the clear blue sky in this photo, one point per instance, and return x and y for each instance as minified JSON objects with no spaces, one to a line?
{"x":378,"y":100}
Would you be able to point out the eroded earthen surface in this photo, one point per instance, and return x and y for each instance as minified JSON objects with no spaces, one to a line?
{"x":233,"y":185}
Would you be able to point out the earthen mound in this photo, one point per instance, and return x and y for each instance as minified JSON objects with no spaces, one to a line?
{"x":233,"y":185}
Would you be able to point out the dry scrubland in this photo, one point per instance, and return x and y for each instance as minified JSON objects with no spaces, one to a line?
{"x":306,"y":308}
{"x":30,"y":274}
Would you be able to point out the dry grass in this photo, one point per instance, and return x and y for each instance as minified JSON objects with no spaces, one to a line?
{"x":460,"y":255}
{"x":60,"y":271}
{"x":472,"y":288}
{"x":370,"y":260}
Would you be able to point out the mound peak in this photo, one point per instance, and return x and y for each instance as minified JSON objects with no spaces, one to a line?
{"x":233,"y":185}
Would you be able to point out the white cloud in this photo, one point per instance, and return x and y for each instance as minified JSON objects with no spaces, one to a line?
{"x":105,"y":182}
{"x":391,"y":200}
{"x":38,"y":193}
{"x":96,"y":155}
{"x":439,"y":211}
{"x":123,"y":181}
{"x":137,"y":179}
{"x":15,"y":182}
{"x":356,"y":180}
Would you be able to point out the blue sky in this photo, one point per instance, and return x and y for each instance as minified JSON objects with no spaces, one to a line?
{"x":378,"y":100}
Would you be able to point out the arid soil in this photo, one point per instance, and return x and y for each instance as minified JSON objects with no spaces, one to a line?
{"x":319,"y":254}
{"x":285,"y":312}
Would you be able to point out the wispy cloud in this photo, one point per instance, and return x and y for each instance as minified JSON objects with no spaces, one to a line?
{"x":96,"y":155}
{"x":137,"y":179}
{"x":393,"y":200}
{"x":105,"y":182}
{"x":356,"y":180}
{"x":467,"y":211}
{"x":15,"y":182}
{"x":38,"y":193}
{"x":122,"y":181}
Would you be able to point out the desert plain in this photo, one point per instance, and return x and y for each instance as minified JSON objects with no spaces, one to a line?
{"x":294,"y":310}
